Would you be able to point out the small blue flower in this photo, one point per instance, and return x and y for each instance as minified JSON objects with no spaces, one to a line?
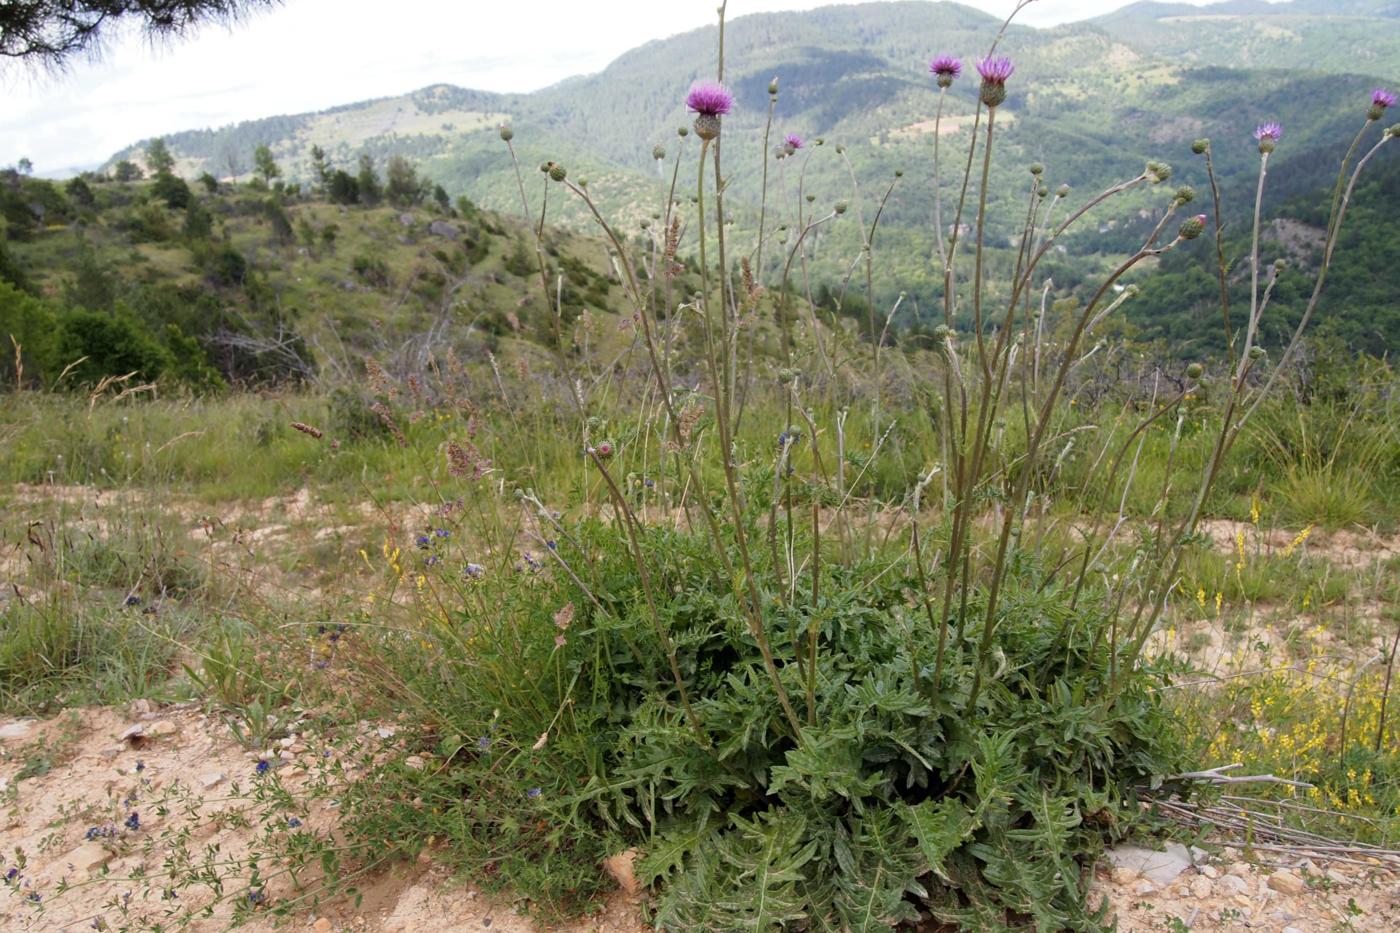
{"x":443,"y":533}
{"x":256,"y":896}
{"x":552,"y":545}
{"x":12,"y":874}
{"x":472,"y":571}
{"x":483,"y":743}
{"x":293,"y":823}
{"x":432,"y":560}
{"x":533,"y":792}
{"x":262,"y":767}
{"x":423,"y":542}
{"x":34,"y":897}
{"x":133,"y":600}
{"x":133,"y":822}
{"x":140,"y":766}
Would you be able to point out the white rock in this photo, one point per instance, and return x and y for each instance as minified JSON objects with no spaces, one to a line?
{"x":18,"y":730}
{"x":1160,"y":867}
{"x":162,"y":727}
{"x":415,"y":762}
{"x":1234,"y":884}
{"x":287,"y":742}
{"x":1145,"y":889}
{"x":1200,"y":888}
{"x":212,"y":780}
{"x":1210,"y":871}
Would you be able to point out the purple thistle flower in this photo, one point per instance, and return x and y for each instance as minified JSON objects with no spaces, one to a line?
{"x":946,"y":69}
{"x":1268,"y":135}
{"x":792,"y":142}
{"x":709,"y":98}
{"x":994,"y":72}
{"x":1380,"y":100}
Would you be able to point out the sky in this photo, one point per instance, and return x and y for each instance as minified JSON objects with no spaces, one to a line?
{"x":311,"y":54}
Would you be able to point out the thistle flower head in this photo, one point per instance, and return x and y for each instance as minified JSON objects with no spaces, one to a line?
{"x":1192,"y":227}
{"x":946,"y":69}
{"x":1268,"y":135}
{"x":1381,"y":99}
{"x":994,"y":72}
{"x":709,"y":98}
{"x":791,"y":143}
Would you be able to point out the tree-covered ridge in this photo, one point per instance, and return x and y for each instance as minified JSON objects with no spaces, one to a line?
{"x":216,"y":284}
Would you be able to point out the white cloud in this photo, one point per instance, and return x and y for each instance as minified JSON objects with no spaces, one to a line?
{"x":312,"y":54}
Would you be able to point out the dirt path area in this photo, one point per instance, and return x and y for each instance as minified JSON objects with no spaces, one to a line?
{"x":71,"y":785}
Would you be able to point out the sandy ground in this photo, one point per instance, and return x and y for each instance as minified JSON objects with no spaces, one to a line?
{"x":93,"y":781}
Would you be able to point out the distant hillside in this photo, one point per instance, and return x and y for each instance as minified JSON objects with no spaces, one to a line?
{"x":1091,"y":101}
{"x":1335,"y":36}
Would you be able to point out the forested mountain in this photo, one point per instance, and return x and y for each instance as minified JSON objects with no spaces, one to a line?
{"x":1092,"y":101}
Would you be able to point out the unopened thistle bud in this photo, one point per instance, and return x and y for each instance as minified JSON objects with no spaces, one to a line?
{"x":1158,"y":172}
{"x":773,"y":87}
{"x":1192,"y":227}
{"x":1268,"y":135}
{"x":994,"y":72}
{"x":1063,"y":191}
{"x":899,"y":173}
{"x":682,"y":131}
{"x":786,"y":376}
{"x":1257,"y":353}
{"x":646,"y":224}
{"x":840,"y":207}
{"x":658,"y":153}
{"x":1185,"y":194}
{"x":1042,"y":192}
{"x":1394,"y":130}
{"x":811,"y":198}
{"x":1037,"y":169}
{"x":1194,"y":371}
{"x":507,"y":134}
{"x":1201,"y":146}
{"x":557,"y":172}
{"x":1280,"y":265}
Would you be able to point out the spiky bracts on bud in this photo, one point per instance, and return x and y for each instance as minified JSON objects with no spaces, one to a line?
{"x":1037,"y":169}
{"x":841,"y":207}
{"x":945,"y":69}
{"x":1192,"y":227}
{"x":1158,"y":172}
{"x":658,"y":153}
{"x":1381,"y":100}
{"x":507,"y":134}
{"x":791,"y":143}
{"x":555,"y":171}
{"x":1184,"y":195}
{"x":994,"y":72}
{"x":1062,"y":191}
{"x":1201,"y":146}
{"x":1195,"y":371}
{"x":708,"y":100}
{"x":1268,"y":135}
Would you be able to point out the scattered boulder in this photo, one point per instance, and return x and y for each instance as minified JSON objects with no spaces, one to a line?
{"x":1161,"y":868}
{"x":444,"y":229}
{"x":1287,"y":883}
{"x":406,"y":219}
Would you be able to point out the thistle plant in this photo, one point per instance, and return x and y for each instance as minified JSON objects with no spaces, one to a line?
{"x":804,"y":708}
